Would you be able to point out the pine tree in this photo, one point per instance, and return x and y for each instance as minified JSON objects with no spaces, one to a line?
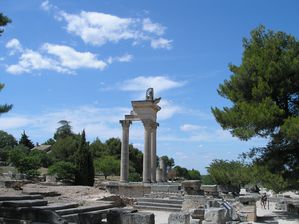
{"x":84,"y":164}
{"x":3,"y":22}
{"x":24,"y":140}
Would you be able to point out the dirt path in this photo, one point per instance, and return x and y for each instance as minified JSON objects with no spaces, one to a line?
{"x":272,"y":215}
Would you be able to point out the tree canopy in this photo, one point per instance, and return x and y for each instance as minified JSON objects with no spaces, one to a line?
{"x":4,"y":20}
{"x":264,"y":91}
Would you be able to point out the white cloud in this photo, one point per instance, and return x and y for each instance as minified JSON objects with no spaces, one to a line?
{"x":161,"y":43}
{"x":59,"y":58}
{"x":46,"y":6}
{"x":123,"y":58}
{"x":149,"y":26}
{"x":98,"y":28}
{"x":32,"y":60}
{"x":191,"y":127}
{"x":159,"y":83}
{"x":168,"y":109}
{"x":72,"y":59}
{"x":14,"y":45}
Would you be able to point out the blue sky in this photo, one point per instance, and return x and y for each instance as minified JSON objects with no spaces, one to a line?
{"x":84,"y":61}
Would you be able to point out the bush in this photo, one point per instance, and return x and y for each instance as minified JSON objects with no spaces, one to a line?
{"x":134,"y":177}
{"x":64,"y":171}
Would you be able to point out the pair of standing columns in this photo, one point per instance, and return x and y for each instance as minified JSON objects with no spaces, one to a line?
{"x":149,"y":155}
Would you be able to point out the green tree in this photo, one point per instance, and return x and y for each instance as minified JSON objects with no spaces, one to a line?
{"x":64,"y":149}
{"x":24,"y":140}
{"x":181,"y":172}
{"x":43,"y":157}
{"x":16,"y":154}
{"x":264,"y":91}
{"x":64,"y":171}
{"x":84,"y":164}
{"x":194,"y":174}
{"x":136,"y":159}
{"x":207,"y":180}
{"x":107,"y":165}
{"x":7,"y":142}
{"x":98,"y":149}
{"x":4,"y":20}
{"x":228,"y":173}
{"x":64,"y":130}
{"x":114,"y":147}
{"x":168,"y":161}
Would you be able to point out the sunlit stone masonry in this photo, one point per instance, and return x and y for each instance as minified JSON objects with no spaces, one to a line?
{"x":146,"y":112}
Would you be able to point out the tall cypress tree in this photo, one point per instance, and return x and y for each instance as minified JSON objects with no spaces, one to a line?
{"x":24,"y":140}
{"x":84,"y":164}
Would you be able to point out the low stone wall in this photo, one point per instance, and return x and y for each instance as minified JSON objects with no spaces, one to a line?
{"x":165,"y":188}
{"x":131,"y":190}
{"x":135,"y":189}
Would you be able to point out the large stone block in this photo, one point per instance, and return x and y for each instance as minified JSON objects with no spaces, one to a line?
{"x":179,"y":218}
{"x":192,"y":187}
{"x":192,"y":202}
{"x":215,"y":215}
{"x":138,"y":218}
{"x":198,"y":213}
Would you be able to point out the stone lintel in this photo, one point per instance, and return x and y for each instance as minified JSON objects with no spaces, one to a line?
{"x":132,"y":117}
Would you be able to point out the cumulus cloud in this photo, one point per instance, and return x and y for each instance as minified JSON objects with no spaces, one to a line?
{"x":32,"y":60}
{"x":58,"y":58}
{"x":14,"y":46}
{"x":149,"y":26}
{"x":159,"y":83}
{"x":161,"y":43}
{"x":97,"y":28}
{"x":72,"y":59}
{"x":123,"y":58}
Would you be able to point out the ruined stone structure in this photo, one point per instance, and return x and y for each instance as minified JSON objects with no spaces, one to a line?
{"x":146,"y":112}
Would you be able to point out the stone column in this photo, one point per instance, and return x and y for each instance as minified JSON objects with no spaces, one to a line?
{"x":147,"y":152}
{"x":159,"y":174}
{"x":124,"y":157}
{"x":154,"y":152}
{"x":163,"y":168}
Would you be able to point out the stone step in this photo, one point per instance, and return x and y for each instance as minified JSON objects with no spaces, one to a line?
{"x":88,"y":217}
{"x":166,"y":205}
{"x":20,"y":197}
{"x":156,"y":208}
{"x":24,"y":203}
{"x":159,"y":200}
{"x":87,"y":208}
{"x":58,"y":206}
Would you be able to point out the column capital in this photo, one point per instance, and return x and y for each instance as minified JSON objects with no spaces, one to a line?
{"x":154,"y":125}
{"x":125,"y":123}
{"x":147,"y":123}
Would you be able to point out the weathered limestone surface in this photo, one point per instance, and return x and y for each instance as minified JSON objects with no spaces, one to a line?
{"x":28,"y":215}
{"x":124,"y":161}
{"x":137,"y":218}
{"x":215,"y":216}
{"x":179,"y":218}
{"x":145,"y":111}
{"x":192,"y":187}
{"x":192,"y":202}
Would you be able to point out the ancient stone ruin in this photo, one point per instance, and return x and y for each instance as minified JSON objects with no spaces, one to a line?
{"x":146,"y":112}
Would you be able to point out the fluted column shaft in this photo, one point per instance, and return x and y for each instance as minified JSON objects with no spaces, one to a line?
{"x":146,"y":175}
{"x":124,"y":157}
{"x":154,"y":152}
